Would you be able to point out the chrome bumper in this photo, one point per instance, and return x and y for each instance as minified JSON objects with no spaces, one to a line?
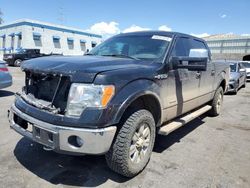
{"x":62,"y":139}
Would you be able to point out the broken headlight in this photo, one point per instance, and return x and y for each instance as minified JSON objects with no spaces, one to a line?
{"x":82,"y":96}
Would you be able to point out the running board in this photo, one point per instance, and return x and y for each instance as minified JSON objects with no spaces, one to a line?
{"x":179,"y":122}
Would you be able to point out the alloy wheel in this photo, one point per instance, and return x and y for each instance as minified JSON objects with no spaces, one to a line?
{"x":140,"y":143}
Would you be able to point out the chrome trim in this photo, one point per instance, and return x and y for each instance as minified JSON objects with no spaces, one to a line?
{"x":96,"y":141}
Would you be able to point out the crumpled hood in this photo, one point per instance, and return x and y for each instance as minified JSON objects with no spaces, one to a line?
{"x":79,"y":68}
{"x":234,"y":75}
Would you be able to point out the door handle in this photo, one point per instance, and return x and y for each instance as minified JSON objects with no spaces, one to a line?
{"x":197,"y":75}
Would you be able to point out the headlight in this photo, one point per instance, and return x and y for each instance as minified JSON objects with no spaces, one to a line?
{"x":82,"y":96}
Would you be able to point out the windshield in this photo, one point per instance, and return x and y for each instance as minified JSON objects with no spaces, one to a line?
{"x":150,"y":48}
{"x":233,"y":67}
{"x":20,"y":51}
{"x":246,"y":65}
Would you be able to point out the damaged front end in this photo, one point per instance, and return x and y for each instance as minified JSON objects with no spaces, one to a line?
{"x":48,"y":125}
{"x":48,"y":92}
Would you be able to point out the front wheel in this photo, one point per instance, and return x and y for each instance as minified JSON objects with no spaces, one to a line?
{"x":236,"y":88}
{"x":133,"y":144}
{"x":17,"y":62}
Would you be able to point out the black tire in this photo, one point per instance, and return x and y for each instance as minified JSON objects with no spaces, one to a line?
{"x":119,"y":157}
{"x":235,"y":91}
{"x":217,"y":102}
{"x":17,"y":62}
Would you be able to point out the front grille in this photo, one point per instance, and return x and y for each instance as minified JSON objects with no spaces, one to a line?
{"x":52,"y":89}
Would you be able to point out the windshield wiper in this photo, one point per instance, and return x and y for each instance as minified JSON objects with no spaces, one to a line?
{"x":120,"y":55}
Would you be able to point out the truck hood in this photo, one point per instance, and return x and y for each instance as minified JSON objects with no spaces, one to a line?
{"x":79,"y":68}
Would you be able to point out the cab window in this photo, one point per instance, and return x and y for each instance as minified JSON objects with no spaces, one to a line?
{"x":184,"y":45}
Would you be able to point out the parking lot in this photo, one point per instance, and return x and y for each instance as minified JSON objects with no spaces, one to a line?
{"x":208,"y":152}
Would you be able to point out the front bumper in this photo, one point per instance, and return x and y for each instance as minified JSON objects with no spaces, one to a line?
{"x":8,"y":59}
{"x":59,"y":138}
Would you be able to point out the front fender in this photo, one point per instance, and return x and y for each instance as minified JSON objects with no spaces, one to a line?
{"x":133,"y":91}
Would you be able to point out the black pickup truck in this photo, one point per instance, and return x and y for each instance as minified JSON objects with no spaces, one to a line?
{"x":15,"y":59}
{"x":119,"y":96}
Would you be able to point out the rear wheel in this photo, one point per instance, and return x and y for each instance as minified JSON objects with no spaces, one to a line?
{"x":133,"y":144}
{"x":216,"y":103}
{"x":17,"y":62}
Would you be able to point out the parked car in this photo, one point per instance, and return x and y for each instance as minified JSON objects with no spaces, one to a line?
{"x":5,"y":77}
{"x":246,"y":64}
{"x":16,"y":59}
{"x":115,"y":99}
{"x":237,"y":77}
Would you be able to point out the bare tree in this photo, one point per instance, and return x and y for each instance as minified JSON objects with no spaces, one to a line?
{"x":1,"y":17}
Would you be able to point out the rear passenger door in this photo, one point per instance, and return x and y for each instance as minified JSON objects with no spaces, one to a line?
{"x":206,"y":77}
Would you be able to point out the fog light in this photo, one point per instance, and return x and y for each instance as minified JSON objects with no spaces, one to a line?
{"x":79,"y":141}
{"x":75,"y":141}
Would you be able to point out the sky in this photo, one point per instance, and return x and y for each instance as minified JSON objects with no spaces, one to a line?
{"x":110,"y":17}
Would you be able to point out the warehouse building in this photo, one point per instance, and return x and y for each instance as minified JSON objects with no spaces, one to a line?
{"x":229,"y":46}
{"x":49,"y":38}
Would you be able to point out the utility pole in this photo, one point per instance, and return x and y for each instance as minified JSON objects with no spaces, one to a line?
{"x":61,"y":16}
{"x":1,"y":17}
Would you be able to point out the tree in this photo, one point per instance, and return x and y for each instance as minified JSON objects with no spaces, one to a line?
{"x":1,"y":18}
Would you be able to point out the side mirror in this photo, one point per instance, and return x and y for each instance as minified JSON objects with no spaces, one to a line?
{"x":196,"y":61}
{"x":190,"y":63}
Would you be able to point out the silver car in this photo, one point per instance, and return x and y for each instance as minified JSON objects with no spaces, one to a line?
{"x":237,"y":77}
{"x":5,"y":77}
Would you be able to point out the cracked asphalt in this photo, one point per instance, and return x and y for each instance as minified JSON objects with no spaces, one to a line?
{"x":207,"y":152}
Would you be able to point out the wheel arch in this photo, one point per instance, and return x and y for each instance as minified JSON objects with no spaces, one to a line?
{"x":141,"y":100}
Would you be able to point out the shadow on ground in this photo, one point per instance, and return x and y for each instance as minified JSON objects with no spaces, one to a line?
{"x":55,"y":168}
{"x":90,"y":171}
{"x":164,"y":142}
{"x":4,"y":93}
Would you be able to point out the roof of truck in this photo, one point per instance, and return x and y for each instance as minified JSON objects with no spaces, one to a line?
{"x":162,"y":33}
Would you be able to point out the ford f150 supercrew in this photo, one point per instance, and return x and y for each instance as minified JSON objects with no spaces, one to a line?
{"x":119,"y":96}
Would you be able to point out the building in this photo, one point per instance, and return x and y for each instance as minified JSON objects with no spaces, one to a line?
{"x":229,"y":46}
{"x":49,"y":38}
